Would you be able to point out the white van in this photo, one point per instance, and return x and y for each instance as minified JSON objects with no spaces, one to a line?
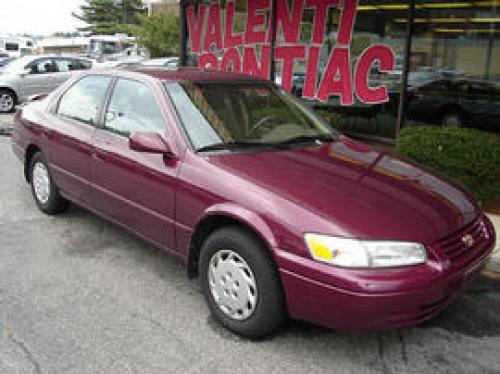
{"x":15,"y":47}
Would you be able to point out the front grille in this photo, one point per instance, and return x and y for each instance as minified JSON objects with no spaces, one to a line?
{"x":455,"y":246}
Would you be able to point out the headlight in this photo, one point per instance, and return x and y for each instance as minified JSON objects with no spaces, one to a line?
{"x":354,"y":253}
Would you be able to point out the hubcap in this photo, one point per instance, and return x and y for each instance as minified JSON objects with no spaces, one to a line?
{"x":232,"y":284}
{"x":41,"y":182}
{"x":6,"y":102}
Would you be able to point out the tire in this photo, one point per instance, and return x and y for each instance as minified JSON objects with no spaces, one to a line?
{"x":230,"y":252}
{"x":43,"y":188}
{"x":453,"y":118}
{"x":7,"y":101}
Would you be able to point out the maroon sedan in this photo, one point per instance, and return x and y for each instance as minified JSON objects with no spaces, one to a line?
{"x":276,"y":213}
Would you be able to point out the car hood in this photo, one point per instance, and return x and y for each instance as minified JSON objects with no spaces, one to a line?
{"x":365,"y":193}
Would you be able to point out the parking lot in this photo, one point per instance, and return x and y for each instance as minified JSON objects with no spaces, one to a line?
{"x":79,"y":295}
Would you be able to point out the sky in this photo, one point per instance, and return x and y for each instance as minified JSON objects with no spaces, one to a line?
{"x":38,"y":17}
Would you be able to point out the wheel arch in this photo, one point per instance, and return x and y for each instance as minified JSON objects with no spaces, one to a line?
{"x":223,"y":216}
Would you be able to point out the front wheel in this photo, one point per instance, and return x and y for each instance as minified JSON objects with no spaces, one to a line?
{"x":241,"y":283}
{"x":45,"y":192}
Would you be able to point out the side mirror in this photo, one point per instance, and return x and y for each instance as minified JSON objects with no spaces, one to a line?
{"x":150,"y":142}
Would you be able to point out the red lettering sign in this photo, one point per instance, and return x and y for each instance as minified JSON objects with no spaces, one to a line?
{"x":230,"y":39}
{"x":289,"y":23}
{"x":250,"y":64}
{"x":321,"y":11}
{"x":195,"y":26}
{"x":289,"y":54}
{"x":250,"y":52}
{"x":231,"y":61}
{"x":385,"y":57}
{"x":337,"y":78}
{"x":256,"y":20}
{"x":213,"y":34}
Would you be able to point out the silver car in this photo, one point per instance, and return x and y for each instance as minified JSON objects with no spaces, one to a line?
{"x":170,"y":62}
{"x":35,"y":75}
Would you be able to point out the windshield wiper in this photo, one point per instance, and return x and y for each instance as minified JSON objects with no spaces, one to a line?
{"x":231,"y":146}
{"x":305,"y":139}
{"x":299,"y":140}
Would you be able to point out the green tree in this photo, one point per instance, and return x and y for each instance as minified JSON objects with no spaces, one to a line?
{"x":111,"y":16}
{"x":159,"y":34}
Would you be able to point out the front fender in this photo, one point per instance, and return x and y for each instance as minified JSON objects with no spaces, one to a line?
{"x":245,"y":216}
{"x":234,"y":213}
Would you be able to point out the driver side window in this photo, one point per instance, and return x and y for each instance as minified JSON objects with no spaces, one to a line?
{"x":133,"y":108}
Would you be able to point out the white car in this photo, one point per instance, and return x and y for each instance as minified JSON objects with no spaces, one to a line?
{"x":35,"y":75}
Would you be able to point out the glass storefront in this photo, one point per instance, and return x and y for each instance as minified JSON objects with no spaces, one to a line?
{"x":455,"y":65}
{"x":454,"y":61}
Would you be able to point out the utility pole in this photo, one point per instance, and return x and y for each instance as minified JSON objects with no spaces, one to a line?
{"x":491,"y":40}
{"x":401,"y":121}
{"x":124,"y":10}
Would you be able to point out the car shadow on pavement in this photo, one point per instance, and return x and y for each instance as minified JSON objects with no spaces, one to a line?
{"x":475,"y":313}
{"x":107,"y":240}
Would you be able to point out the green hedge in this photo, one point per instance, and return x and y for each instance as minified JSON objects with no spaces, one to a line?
{"x":468,"y":156}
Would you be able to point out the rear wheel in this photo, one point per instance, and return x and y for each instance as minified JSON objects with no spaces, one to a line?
{"x":241,"y":283}
{"x":7,"y":101}
{"x":45,"y":192}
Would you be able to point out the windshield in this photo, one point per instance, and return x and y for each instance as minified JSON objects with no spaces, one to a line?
{"x":244,"y":113}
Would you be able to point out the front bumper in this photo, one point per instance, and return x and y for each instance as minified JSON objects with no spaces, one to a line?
{"x":372,"y":300}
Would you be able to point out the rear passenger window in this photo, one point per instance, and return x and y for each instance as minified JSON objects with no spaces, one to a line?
{"x":84,"y":99}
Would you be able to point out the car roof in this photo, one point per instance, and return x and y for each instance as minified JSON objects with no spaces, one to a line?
{"x":36,"y":57}
{"x":191,"y":74}
{"x":461,"y":79}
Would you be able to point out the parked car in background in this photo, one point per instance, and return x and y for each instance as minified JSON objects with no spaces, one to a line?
{"x":35,"y":75}
{"x":4,"y":60}
{"x":169,"y":62}
{"x":16,"y":46}
{"x":274,"y":211}
{"x":163,"y":62}
{"x":457,"y":102}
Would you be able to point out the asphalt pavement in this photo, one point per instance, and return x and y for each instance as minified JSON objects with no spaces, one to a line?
{"x":6,"y":124}
{"x":79,"y":295}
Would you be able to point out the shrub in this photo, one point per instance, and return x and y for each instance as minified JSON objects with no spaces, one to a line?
{"x":468,"y":156}
{"x":159,"y":34}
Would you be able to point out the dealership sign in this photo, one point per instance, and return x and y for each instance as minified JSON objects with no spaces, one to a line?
{"x":209,"y":37}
